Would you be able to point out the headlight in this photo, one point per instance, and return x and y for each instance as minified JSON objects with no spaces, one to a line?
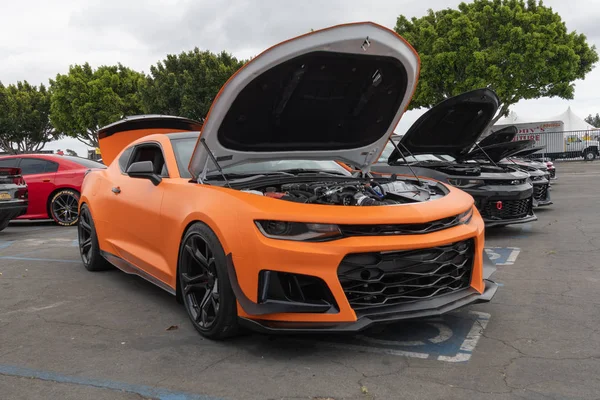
{"x":538,"y":178}
{"x":465,"y":217}
{"x":299,"y":231}
{"x":465,"y":183}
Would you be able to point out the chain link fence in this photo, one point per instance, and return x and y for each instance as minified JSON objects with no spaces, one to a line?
{"x":565,"y":145}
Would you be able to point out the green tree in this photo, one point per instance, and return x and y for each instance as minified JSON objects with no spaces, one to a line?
{"x":24,"y":118}
{"x":186,"y":84}
{"x":521,"y":50}
{"x":84,"y":100}
{"x":595,"y":121}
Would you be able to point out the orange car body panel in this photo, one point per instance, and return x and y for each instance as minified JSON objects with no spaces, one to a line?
{"x":144,"y":225}
{"x":157,"y":217}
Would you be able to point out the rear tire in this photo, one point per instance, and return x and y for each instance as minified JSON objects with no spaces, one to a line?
{"x":204,"y":283}
{"x":63,"y":207}
{"x":88,"y":243}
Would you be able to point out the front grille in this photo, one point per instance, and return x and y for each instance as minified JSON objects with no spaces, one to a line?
{"x":399,"y":229}
{"x":540,"y":191}
{"x":506,"y":209}
{"x":505,"y":182}
{"x":391,"y":278}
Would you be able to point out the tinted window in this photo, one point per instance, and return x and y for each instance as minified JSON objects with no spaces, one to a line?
{"x":151,"y":152}
{"x":8,"y":162}
{"x":31,"y":166}
{"x":124,"y":159}
{"x":84,"y":162}
{"x":184,"y":149}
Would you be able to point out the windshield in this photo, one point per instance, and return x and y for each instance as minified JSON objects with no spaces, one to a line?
{"x":184,"y":148}
{"x":389,"y":148}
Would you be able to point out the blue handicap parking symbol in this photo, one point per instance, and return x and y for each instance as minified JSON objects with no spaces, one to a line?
{"x":450,"y":338}
{"x":503,"y":255}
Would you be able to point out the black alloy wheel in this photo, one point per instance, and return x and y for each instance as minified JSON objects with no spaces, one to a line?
{"x":204,"y":284}
{"x":64,"y":207}
{"x":88,"y":243}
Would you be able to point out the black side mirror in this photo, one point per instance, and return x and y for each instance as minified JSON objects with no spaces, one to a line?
{"x":144,"y":170}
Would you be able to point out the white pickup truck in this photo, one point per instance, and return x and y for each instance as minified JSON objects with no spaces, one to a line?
{"x":556,"y":142}
{"x":564,"y":145}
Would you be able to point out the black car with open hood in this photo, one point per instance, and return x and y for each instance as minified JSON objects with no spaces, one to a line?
{"x":441,"y":145}
{"x":499,"y":151}
{"x":502,"y":136}
{"x":538,"y":172}
{"x":451,"y":127}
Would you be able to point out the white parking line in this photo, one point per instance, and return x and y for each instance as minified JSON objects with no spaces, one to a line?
{"x":32,"y":309}
{"x":430,"y":347}
{"x":468,"y":345}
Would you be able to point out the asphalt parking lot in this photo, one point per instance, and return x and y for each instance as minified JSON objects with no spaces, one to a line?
{"x":66,"y":333}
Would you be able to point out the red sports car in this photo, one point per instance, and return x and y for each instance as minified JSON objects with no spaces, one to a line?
{"x":54,"y":184}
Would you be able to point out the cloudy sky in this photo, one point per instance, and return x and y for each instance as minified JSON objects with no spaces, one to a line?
{"x":40,"y":38}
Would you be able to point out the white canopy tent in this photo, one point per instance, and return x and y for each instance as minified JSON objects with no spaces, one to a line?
{"x":567,"y":121}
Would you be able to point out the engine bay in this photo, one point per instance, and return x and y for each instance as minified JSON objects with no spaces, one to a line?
{"x":367,"y":192}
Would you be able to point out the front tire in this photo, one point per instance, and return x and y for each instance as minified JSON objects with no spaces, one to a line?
{"x":63,"y":207}
{"x":589,"y":155}
{"x":88,"y":243}
{"x":204,"y":282}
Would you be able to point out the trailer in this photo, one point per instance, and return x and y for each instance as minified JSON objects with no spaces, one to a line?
{"x":564,"y":137}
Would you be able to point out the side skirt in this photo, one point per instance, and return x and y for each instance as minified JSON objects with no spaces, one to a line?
{"x":131,"y":269}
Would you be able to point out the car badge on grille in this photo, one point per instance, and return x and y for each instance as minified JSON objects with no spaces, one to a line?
{"x":499,"y":205}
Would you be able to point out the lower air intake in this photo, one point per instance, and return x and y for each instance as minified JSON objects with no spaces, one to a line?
{"x":391,"y":278}
{"x":507,"y":209}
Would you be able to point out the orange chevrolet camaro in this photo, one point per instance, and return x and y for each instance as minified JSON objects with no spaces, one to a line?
{"x":249,"y":220}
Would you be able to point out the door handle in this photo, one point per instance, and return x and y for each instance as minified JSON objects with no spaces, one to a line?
{"x":116,"y":190}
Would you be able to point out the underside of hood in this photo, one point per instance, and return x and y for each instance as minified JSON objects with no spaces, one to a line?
{"x":451,"y":127}
{"x":527,"y":152}
{"x":502,"y":136}
{"x":334,"y":94}
{"x":497,"y":152}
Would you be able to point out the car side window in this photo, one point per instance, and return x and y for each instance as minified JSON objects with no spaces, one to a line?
{"x":9,"y":162}
{"x":124,"y":159}
{"x":30,"y":166}
{"x":150,"y":152}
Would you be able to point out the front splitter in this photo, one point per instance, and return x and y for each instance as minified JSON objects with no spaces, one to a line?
{"x":402,"y":313}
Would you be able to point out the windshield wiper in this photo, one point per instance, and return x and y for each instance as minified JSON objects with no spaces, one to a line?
{"x":247,"y":174}
{"x":312,"y":171}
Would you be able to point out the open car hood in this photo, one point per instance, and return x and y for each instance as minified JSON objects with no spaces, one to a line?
{"x":334,"y":94}
{"x":499,"y":151}
{"x":504,"y":135}
{"x":451,"y":127}
{"x":527,"y":152}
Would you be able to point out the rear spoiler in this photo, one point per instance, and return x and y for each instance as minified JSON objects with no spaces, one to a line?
{"x":115,"y":137}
